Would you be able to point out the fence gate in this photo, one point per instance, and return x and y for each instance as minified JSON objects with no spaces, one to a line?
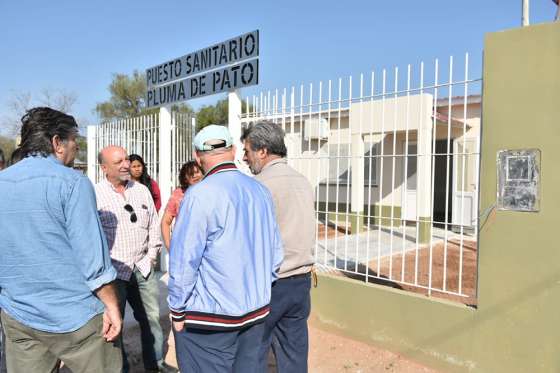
{"x":163,"y":140}
{"x":393,"y":157}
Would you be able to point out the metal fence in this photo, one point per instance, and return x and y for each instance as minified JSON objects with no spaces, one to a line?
{"x":163,"y":140}
{"x":138,"y":135}
{"x":393,"y":157}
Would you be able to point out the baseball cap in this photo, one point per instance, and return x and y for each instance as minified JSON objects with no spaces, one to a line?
{"x":212,"y":137}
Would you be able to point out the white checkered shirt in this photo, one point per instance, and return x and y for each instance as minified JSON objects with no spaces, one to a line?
{"x":130,"y":243}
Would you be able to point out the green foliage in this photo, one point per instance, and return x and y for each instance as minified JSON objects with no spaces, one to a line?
{"x":216,"y":114}
{"x":82,"y":148}
{"x":128,"y":99}
{"x":7,"y":145}
{"x":182,"y":108}
{"x":212,"y":114}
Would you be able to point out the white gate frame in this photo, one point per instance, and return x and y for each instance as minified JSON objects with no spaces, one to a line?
{"x":171,"y":145}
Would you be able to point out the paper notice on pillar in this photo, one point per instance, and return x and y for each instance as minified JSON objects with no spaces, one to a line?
{"x":243,"y":74}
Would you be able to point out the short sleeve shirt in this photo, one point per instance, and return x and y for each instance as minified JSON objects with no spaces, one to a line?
{"x":174,"y":202}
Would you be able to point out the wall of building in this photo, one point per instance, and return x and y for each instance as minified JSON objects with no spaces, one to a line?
{"x":514,"y":327}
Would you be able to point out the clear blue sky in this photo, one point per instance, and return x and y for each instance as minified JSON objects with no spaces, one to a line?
{"x":77,"y":45}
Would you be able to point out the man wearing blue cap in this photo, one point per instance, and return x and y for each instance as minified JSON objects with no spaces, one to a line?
{"x":225,"y":252}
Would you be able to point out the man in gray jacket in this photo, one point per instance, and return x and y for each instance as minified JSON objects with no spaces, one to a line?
{"x":286,"y":326}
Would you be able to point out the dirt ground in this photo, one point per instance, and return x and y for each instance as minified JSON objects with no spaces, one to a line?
{"x":328,"y":353}
{"x":422,"y":260}
{"x":331,"y":353}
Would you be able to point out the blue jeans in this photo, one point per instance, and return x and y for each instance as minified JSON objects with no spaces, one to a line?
{"x":286,"y":325}
{"x":2,"y":351}
{"x":205,"y":351}
{"x":142,"y":295}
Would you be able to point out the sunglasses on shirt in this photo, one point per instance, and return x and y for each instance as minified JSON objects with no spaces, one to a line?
{"x":130,"y":209}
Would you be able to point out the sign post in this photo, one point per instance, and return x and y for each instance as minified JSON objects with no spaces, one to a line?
{"x":234,"y":125}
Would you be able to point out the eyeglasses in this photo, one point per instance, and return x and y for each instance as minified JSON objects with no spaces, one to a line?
{"x":130,"y":209}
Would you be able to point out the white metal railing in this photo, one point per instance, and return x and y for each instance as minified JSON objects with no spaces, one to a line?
{"x":394,"y":161}
{"x":138,"y":135}
{"x":163,"y":140}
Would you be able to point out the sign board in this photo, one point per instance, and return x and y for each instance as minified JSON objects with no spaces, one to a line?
{"x":225,"y":79}
{"x":225,"y":66}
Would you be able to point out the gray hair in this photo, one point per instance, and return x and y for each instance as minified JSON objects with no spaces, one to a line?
{"x":265,"y":135}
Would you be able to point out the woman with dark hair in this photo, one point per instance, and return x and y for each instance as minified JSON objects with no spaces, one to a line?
{"x":139,"y":174}
{"x":190,"y":174}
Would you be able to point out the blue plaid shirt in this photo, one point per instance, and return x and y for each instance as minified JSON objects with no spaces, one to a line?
{"x":53,"y":253}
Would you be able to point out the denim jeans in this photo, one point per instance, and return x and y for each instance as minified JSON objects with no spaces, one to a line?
{"x":286,"y":325}
{"x":2,"y":351}
{"x":205,"y":351}
{"x":142,"y":296}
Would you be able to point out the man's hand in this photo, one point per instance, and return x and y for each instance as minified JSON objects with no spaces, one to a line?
{"x":178,"y":326}
{"x":112,"y":320}
{"x":112,"y":324}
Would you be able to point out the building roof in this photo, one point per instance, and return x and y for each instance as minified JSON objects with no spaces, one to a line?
{"x":459,"y":100}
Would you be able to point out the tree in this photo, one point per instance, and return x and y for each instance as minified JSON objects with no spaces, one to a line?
{"x":82,"y":146}
{"x":7,"y":145}
{"x":212,"y":114}
{"x":216,"y":114}
{"x":128,"y":99}
{"x":20,"y":102}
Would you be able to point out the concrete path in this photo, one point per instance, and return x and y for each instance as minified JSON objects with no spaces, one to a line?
{"x":344,"y":251}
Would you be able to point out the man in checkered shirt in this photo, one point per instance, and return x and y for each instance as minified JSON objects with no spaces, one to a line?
{"x":130,"y":221}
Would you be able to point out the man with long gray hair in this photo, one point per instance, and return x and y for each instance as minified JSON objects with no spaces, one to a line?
{"x":56,"y":293}
{"x":286,"y":327}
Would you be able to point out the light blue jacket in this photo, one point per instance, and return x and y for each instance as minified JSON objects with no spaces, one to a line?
{"x":225,"y":252}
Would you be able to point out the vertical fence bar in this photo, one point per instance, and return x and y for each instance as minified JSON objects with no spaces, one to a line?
{"x":348,"y":163}
{"x":91,"y":156}
{"x":284,"y":111}
{"x":421,"y":119}
{"x":393,"y":169}
{"x":447,"y":172}
{"x":433,"y":155}
{"x":318,"y":158}
{"x":328,"y":172}
{"x":404,"y":210}
{"x":462,"y":210}
{"x":360,"y":173}
{"x":164,"y":144}
{"x":337,"y":174}
{"x":309,"y":158}
{"x":382,"y":158}
{"x":372,"y":157}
